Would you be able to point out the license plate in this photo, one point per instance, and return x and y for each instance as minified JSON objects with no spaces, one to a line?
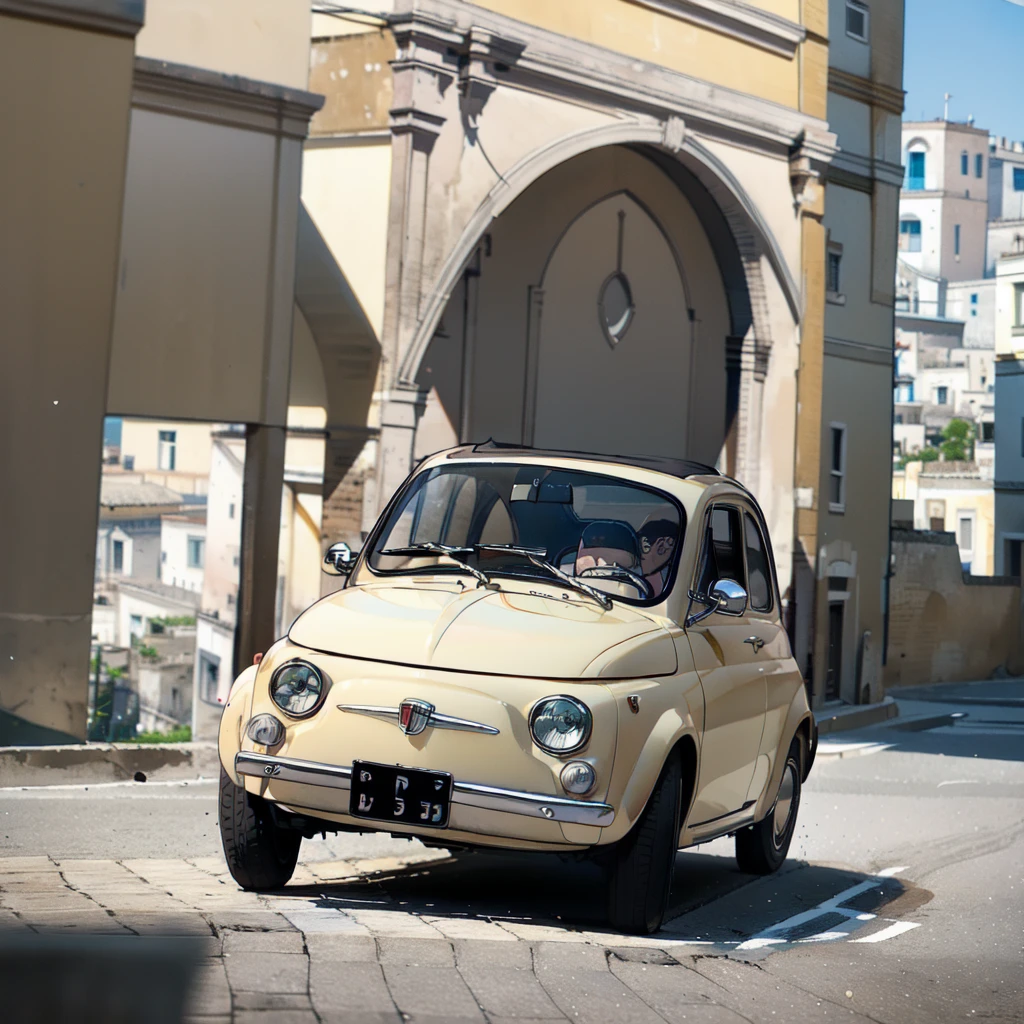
{"x":388,"y":792}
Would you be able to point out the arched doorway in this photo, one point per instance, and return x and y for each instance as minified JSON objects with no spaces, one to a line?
{"x":593,"y":316}
{"x":608,"y":367}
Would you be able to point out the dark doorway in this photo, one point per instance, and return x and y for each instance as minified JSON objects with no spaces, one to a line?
{"x":1013,"y":558}
{"x":835,"y":651}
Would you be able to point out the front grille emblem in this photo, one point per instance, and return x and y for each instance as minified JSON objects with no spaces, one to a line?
{"x":413,"y":716}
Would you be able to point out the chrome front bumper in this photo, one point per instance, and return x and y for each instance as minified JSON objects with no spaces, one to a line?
{"x":466,"y":794}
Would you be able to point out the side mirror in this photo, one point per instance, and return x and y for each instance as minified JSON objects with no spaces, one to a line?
{"x":731,"y":597}
{"x":339,"y":560}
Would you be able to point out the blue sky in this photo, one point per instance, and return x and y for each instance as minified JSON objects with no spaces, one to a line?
{"x":972,"y":49}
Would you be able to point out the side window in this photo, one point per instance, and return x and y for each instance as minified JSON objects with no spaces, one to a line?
{"x":723,"y":548}
{"x":758,"y":571}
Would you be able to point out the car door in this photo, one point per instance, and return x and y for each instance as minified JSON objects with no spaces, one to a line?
{"x":727,"y":655}
{"x":772,"y":654}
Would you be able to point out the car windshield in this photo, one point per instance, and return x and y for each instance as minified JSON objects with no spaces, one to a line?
{"x":502,"y":519}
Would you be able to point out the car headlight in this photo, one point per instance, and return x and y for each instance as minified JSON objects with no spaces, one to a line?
{"x":560,"y":725}
{"x":265,"y":730}
{"x":297,"y":688}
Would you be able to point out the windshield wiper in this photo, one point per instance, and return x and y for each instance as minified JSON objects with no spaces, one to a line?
{"x":431,"y":548}
{"x":539,"y":558}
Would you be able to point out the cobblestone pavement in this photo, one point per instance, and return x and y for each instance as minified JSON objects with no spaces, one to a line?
{"x":900,"y":904}
{"x":369,"y":942}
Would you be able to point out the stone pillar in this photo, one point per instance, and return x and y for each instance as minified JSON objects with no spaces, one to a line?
{"x":263,"y":478}
{"x":401,"y":410}
{"x":421,"y":77}
{"x":809,"y":625}
{"x":61,"y":194}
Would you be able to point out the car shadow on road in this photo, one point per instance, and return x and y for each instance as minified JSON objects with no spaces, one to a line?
{"x":712,"y":901}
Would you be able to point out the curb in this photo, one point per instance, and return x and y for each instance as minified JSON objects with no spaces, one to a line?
{"x":106,"y":762}
{"x":857,"y":716}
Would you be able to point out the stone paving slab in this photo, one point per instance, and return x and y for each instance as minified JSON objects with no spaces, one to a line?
{"x":357,"y":988}
{"x":425,"y":992}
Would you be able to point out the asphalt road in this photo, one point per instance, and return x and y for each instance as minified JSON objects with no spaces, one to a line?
{"x":902,"y":899}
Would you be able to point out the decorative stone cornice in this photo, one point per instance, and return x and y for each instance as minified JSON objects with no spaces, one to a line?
{"x":501,"y":50}
{"x":741,"y":21}
{"x":185,"y":91}
{"x":865,"y":90}
{"x":424,"y":69}
{"x":114,"y":17}
{"x":856,"y":171}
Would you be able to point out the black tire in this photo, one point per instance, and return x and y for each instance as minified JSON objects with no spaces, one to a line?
{"x":761,"y":848}
{"x":260,"y":855}
{"x":641,"y":864}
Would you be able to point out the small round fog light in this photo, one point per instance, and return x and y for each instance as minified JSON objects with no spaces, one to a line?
{"x":578,"y":777}
{"x":266,"y":730}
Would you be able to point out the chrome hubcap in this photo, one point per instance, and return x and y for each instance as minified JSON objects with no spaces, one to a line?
{"x":784,"y":803}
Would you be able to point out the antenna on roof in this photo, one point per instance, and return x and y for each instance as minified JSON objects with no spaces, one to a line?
{"x":945,"y":106}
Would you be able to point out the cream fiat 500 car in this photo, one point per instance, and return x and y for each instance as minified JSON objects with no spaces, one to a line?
{"x":535,"y":650}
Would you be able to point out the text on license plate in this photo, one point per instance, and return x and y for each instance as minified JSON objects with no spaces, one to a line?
{"x":387,"y":792}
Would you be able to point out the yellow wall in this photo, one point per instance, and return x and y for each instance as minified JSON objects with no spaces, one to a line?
{"x":354,"y":75}
{"x":347,"y":191}
{"x":141,"y":439}
{"x":267,"y":40}
{"x":661,"y":39}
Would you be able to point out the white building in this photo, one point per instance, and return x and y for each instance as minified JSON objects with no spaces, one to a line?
{"x":298,"y":559}
{"x":1009,"y":418}
{"x":183,"y":549}
{"x":944,"y":201}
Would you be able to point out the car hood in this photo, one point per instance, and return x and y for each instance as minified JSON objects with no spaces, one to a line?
{"x":536,"y":632}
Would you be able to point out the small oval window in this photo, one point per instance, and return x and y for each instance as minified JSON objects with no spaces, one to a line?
{"x":616,"y":307}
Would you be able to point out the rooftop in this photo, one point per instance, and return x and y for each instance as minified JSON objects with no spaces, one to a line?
{"x":115,"y":493}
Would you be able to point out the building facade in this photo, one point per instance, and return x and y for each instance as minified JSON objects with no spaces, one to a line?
{"x":617,"y":226}
{"x":651,"y":225}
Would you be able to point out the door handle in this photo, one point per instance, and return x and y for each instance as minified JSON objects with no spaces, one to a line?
{"x":756,"y":642}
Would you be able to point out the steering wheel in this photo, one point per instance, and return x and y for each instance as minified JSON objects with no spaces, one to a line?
{"x":621,"y":573}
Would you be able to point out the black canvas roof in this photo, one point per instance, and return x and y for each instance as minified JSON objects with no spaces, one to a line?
{"x":681,"y":468}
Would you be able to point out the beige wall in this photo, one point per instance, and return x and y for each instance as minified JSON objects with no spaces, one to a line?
{"x":61,"y":190}
{"x":943,"y":629}
{"x":263,"y":39}
{"x":141,"y":439}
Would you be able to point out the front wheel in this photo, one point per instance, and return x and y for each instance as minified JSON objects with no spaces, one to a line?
{"x":761,"y":848}
{"x":260,"y":854}
{"x":641,"y":864}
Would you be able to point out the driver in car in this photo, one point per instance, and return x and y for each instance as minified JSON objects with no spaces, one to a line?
{"x":657,"y":542}
{"x":606,"y":542}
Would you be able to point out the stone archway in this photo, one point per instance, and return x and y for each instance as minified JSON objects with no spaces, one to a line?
{"x":532,"y":346}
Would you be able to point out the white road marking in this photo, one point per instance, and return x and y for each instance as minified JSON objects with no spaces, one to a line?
{"x":834,"y":748}
{"x":897,"y":928}
{"x":855,"y":919}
